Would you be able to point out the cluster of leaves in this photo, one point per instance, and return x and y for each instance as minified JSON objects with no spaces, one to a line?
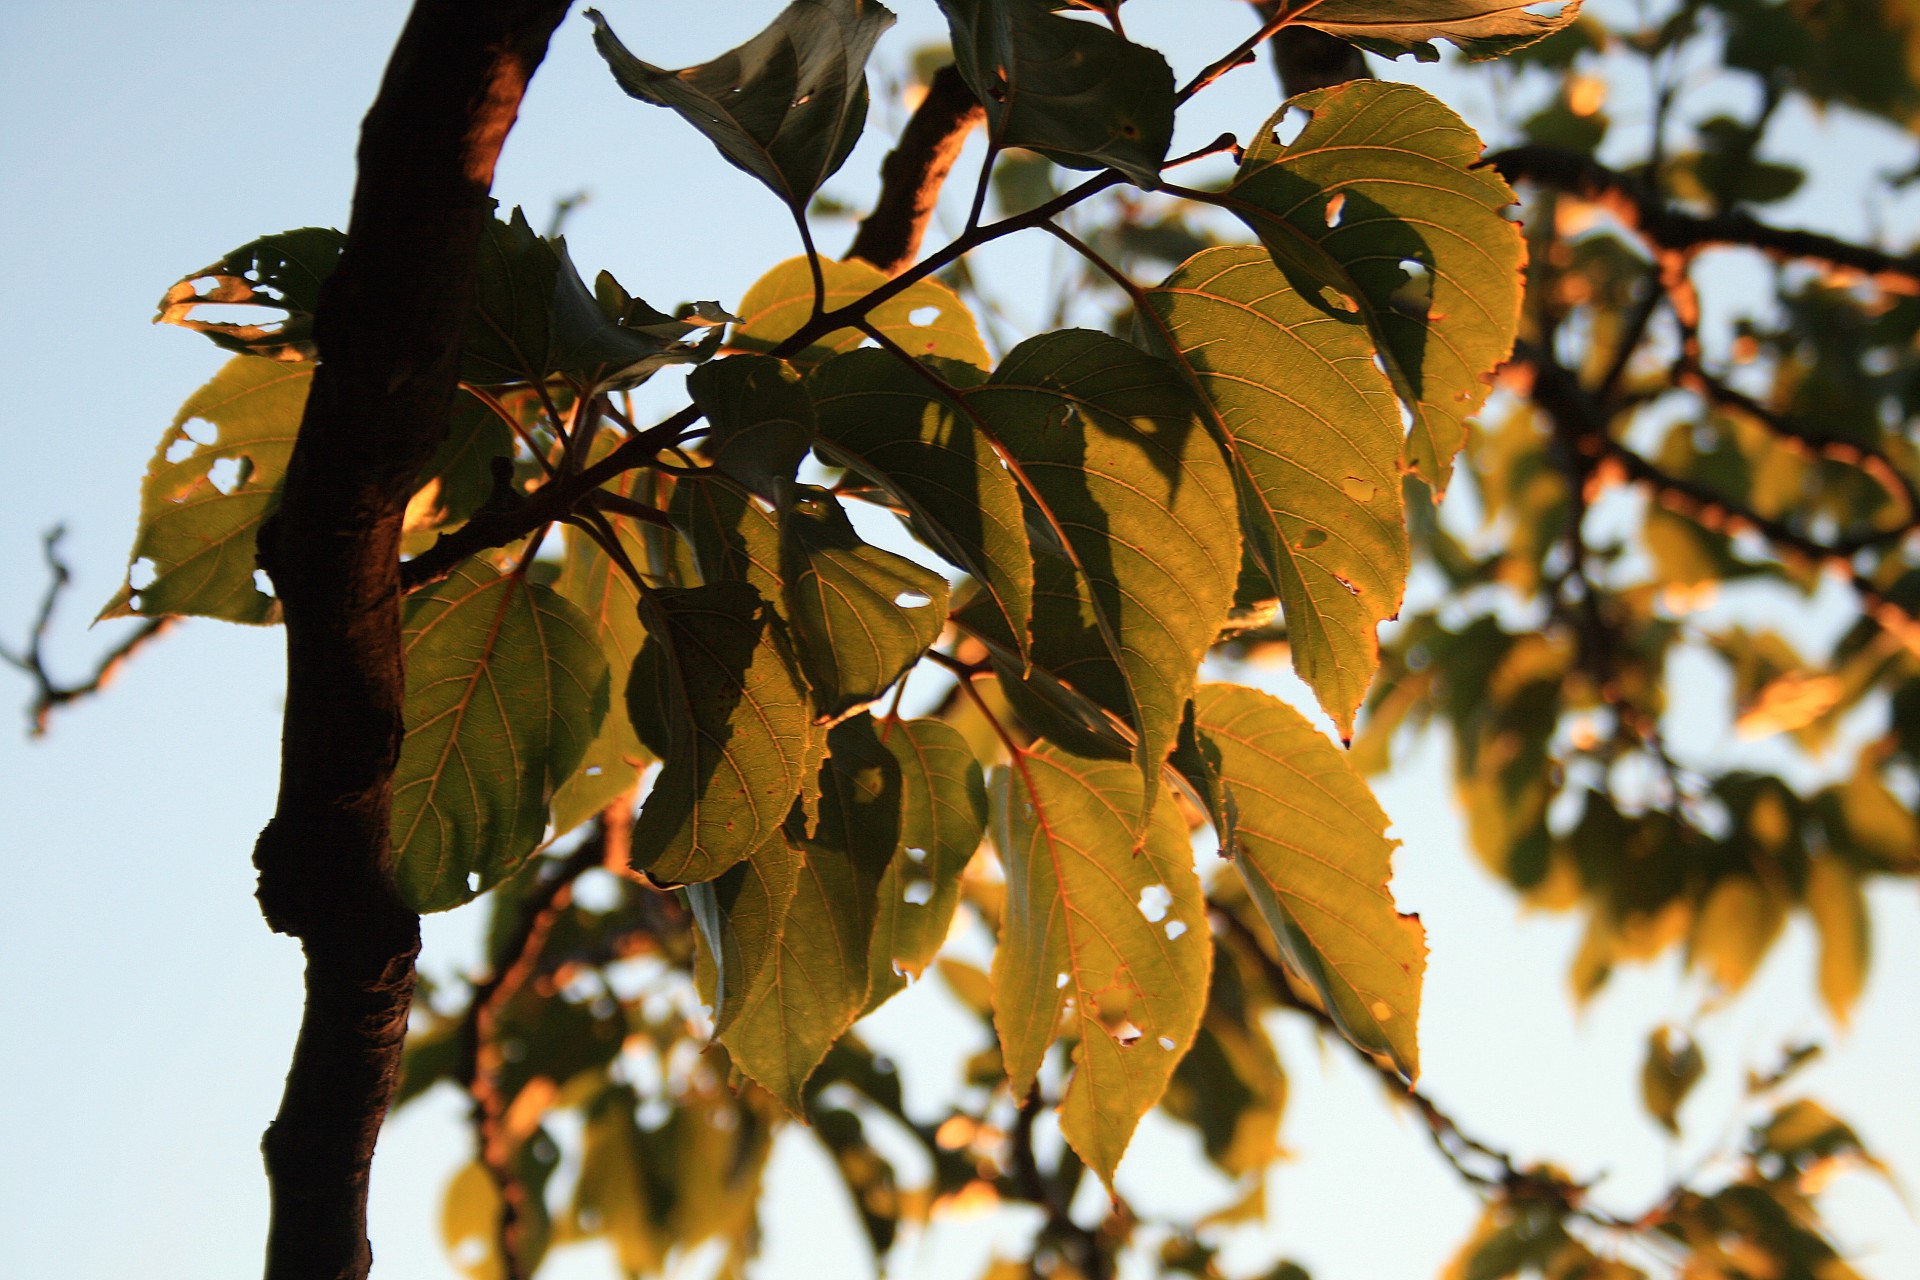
{"x":1237,"y":468}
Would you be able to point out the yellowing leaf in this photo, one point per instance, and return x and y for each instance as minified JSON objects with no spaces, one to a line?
{"x":1479,"y":28}
{"x":926,"y":318}
{"x":1119,"y":931}
{"x":1838,"y":906}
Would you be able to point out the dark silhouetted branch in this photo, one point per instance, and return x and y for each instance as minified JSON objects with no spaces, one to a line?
{"x":49,"y":694}
{"x":914,"y":171}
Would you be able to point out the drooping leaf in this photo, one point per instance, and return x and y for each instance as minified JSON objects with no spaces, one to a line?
{"x":1310,"y":428}
{"x":614,"y":1190}
{"x":1118,"y":931}
{"x":883,"y":421}
{"x":506,"y":686}
{"x":1479,"y":28}
{"x":811,"y":982}
{"x":1377,"y":204}
{"x":1109,"y":448}
{"x":926,"y":318}
{"x":283,"y":272}
{"x":458,"y":479}
{"x":759,"y":419}
{"x":787,"y":106}
{"x":215,"y":477}
{"x":1674,"y":1064}
{"x":533,"y":317}
{"x":942,"y":818}
{"x":1310,"y":842}
{"x":861,"y":616}
{"x":1836,"y":901}
{"x":1076,"y":92}
{"x":737,"y":736}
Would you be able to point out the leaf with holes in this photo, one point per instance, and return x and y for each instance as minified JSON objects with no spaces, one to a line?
{"x":1309,"y":425}
{"x":942,"y":817}
{"x":730,"y":720}
{"x":283,"y":272}
{"x":506,"y":686}
{"x":786,"y":106}
{"x":533,"y":317}
{"x":1479,"y":28}
{"x":1118,"y":931}
{"x":861,"y":616}
{"x":1310,"y":842}
{"x":759,"y":419}
{"x":203,"y":500}
{"x":1108,"y":445}
{"x":925,"y":319}
{"x":1076,"y":92}
{"x":892,"y":427}
{"x":811,"y":982}
{"x":1377,"y":208}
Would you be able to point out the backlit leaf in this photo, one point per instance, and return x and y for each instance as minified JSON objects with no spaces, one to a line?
{"x":1076,"y":92}
{"x":1674,"y":1064}
{"x":506,"y":686}
{"x":1310,"y":429}
{"x":1119,"y":931}
{"x":1838,"y":905}
{"x":1309,"y":841}
{"x":1479,"y":28}
{"x":787,"y":106}
{"x":1377,"y":206}
{"x":759,"y":419}
{"x":926,"y":318}
{"x":283,"y":271}
{"x":215,"y":477}
{"x":739,"y":742}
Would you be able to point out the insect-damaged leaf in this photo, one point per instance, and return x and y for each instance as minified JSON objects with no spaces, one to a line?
{"x":1310,"y":842}
{"x":890,"y":425}
{"x":717,"y":698}
{"x":506,"y":686}
{"x":1309,"y":426}
{"x":943,"y":814}
{"x":1118,"y":931}
{"x":786,"y":106}
{"x":207,"y":491}
{"x":1076,"y":92}
{"x":926,"y":318}
{"x":1479,"y":28}
{"x":1108,"y":446}
{"x":281,"y":271}
{"x":1376,"y":207}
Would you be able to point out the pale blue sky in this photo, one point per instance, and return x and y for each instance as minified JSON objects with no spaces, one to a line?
{"x":146,"y":1014}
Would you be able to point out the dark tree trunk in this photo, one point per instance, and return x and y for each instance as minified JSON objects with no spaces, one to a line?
{"x":388,"y":331}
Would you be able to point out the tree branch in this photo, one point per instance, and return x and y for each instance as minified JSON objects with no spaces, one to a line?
{"x":914,"y":171}
{"x":49,"y":694}
{"x":388,"y":330}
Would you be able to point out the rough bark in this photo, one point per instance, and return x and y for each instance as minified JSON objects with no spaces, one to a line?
{"x":388,"y":332}
{"x":914,"y":171}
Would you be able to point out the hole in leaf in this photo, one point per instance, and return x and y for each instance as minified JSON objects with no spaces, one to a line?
{"x":1175,"y":928}
{"x":594,"y":771}
{"x":915,"y":852}
{"x":919,"y":893}
{"x":1414,"y":295}
{"x":1291,"y":125}
{"x":923,"y":316}
{"x":1059,"y":981}
{"x":142,"y":574}
{"x":913,"y":599}
{"x":181,"y":449}
{"x":262,"y":583}
{"x":473,"y":881}
{"x":1309,"y":539}
{"x":1154,"y":901}
{"x":1336,"y":205}
{"x":1358,"y":489}
{"x":803,"y":100}
{"x":226,"y":474}
{"x":1166,"y":1042}
{"x":1126,"y":1035}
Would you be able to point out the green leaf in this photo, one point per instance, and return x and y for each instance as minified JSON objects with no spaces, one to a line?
{"x":1674,"y":1064}
{"x":615,"y":1191}
{"x":533,"y":318}
{"x":883,"y":421}
{"x":943,"y":815}
{"x":926,"y":318}
{"x":1076,"y":92}
{"x":1310,"y":427}
{"x":207,"y":491}
{"x":1838,"y":905}
{"x":1479,"y":28}
{"x":759,"y":419}
{"x":861,"y":616}
{"x":1378,"y":205}
{"x":610,"y":601}
{"x":1108,"y":445}
{"x":506,"y":686}
{"x":787,"y":106}
{"x":1095,"y":916}
{"x":283,"y":271}
{"x":1310,"y":842}
{"x":458,"y":479}
{"x":737,"y":737}
{"x":811,"y":980}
